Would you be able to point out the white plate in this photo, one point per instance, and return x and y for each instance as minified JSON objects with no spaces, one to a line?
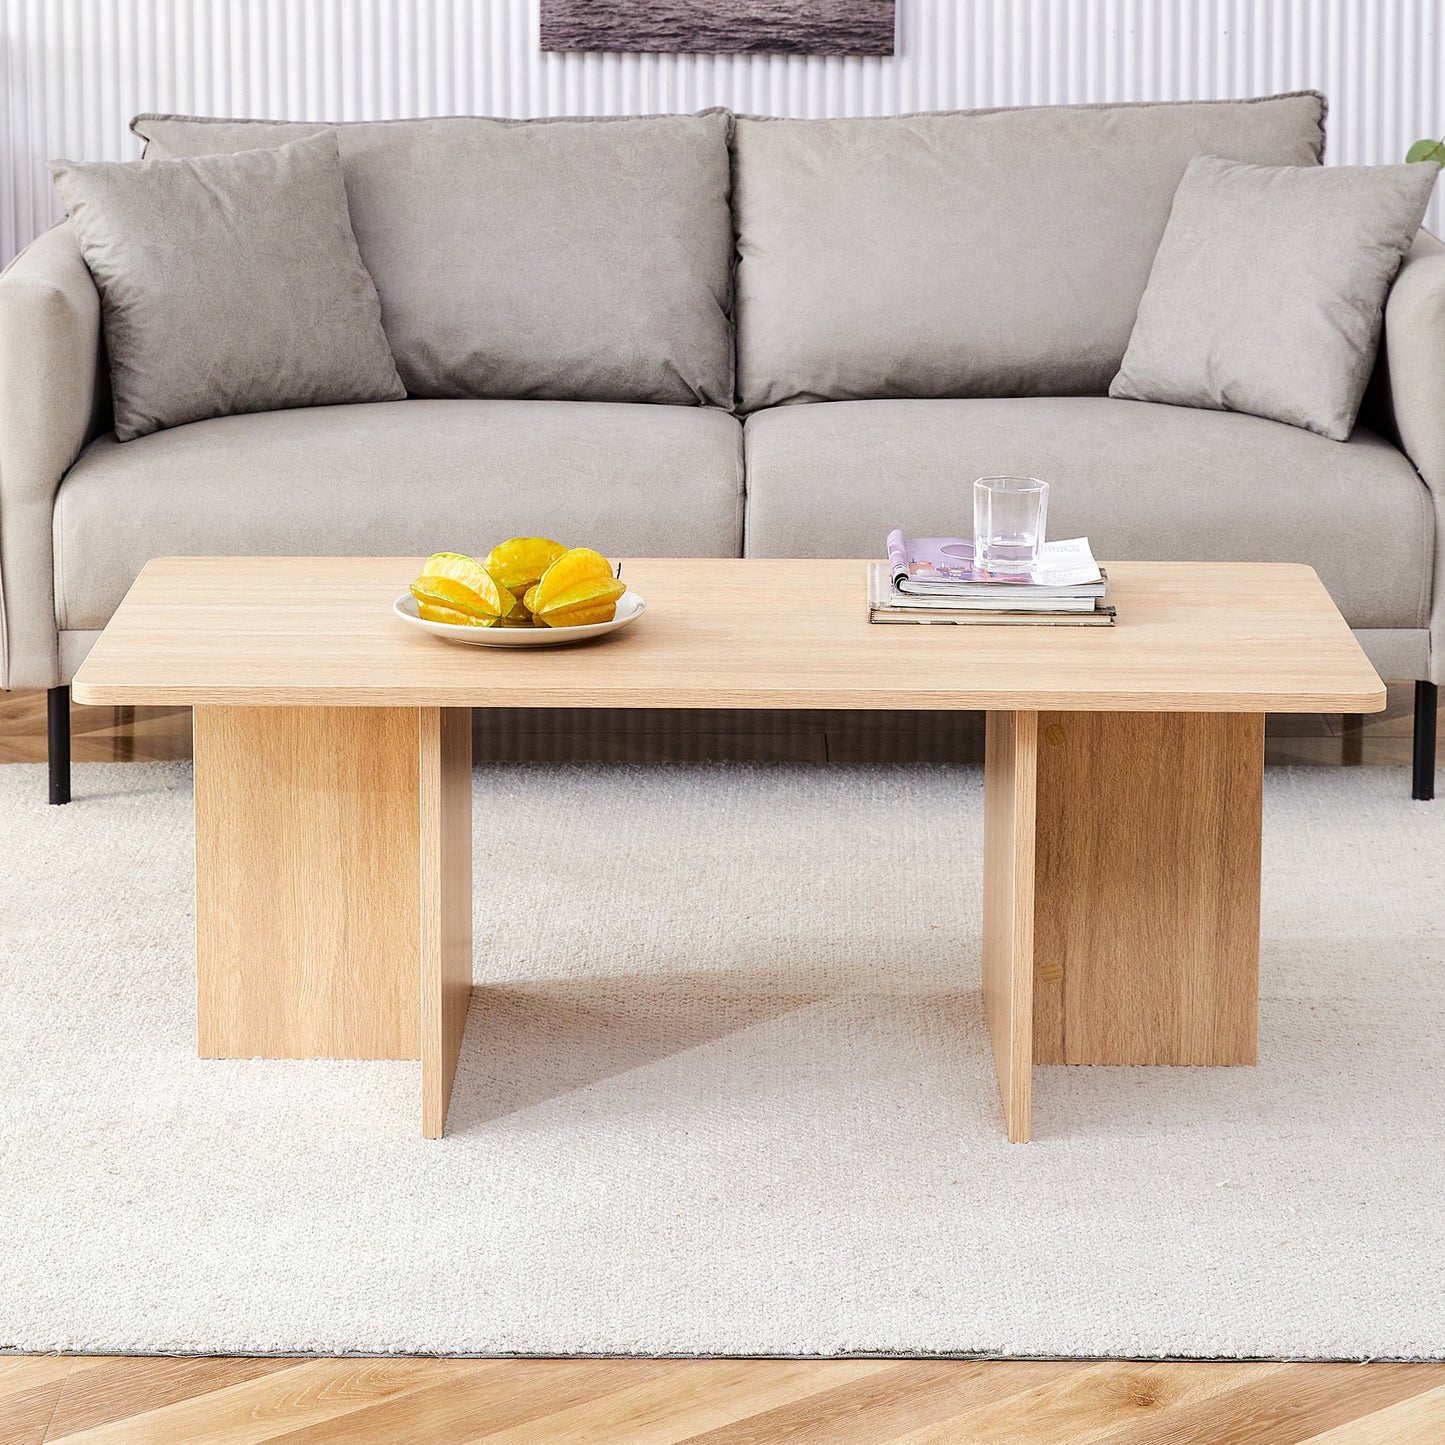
{"x":629,"y":608}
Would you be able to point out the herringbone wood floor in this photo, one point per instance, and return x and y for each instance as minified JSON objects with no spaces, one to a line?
{"x":162,"y":1401}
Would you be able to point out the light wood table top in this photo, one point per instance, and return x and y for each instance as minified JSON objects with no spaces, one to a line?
{"x":291,"y":631}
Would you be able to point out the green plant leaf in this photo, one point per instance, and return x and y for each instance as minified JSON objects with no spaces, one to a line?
{"x":1427,"y":150}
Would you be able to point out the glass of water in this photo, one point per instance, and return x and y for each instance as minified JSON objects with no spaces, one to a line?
{"x":1008,"y":522}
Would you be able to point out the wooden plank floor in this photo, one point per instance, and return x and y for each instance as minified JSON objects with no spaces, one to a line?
{"x":165,"y":1401}
{"x":161,"y":1401}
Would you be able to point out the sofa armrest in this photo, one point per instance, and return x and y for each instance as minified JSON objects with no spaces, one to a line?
{"x":1413,"y":356}
{"x":53,"y":400}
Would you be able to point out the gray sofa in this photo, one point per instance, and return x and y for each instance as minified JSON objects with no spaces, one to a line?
{"x":721,"y":335}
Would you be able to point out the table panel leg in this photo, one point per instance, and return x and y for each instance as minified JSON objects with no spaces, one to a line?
{"x":1010,"y":773}
{"x":1146,"y":923}
{"x":307,"y":894}
{"x":446,"y":903}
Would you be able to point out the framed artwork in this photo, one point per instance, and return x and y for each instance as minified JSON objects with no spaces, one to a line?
{"x":789,"y":27}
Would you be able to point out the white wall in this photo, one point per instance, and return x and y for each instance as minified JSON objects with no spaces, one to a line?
{"x":73,"y":71}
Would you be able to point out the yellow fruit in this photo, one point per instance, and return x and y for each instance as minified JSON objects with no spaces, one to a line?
{"x":458,"y":597}
{"x":529,"y":599}
{"x":594,"y":589}
{"x":581,"y":616}
{"x":519,"y":562}
{"x":579,"y":565}
{"x":432,"y":613}
{"x":496,"y":600}
{"x":585,"y":596}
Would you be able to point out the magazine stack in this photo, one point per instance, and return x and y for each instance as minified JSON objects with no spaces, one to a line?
{"x":935,"y":580}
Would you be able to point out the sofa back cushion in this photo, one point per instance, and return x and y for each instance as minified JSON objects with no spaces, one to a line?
{"x":976,"y":253}
{"x":587,"y":260}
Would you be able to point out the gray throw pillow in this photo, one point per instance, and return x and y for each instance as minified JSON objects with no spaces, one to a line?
{"x":1267,"y":292}
{"x":228,"y":284}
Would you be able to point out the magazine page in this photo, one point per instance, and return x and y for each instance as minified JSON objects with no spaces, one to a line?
{"x":1066,"y":564}
{"x":946,"y":560}
{"x":897,"y":555}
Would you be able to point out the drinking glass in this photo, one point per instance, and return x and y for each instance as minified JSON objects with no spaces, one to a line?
{"x":1008,"y":522}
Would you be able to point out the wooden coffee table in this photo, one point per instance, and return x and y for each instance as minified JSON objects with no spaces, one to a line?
{"x":1122,"y":794}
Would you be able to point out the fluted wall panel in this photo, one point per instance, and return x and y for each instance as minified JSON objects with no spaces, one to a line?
{"x":72,"y":72}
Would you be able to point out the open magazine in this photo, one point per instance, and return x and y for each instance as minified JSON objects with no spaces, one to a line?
{"x":924,"y":565}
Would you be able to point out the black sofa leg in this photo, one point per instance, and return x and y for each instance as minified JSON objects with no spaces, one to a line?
{"x":58,"y":720}
{"x":1427,"y":707}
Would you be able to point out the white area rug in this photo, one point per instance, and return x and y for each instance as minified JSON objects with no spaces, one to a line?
{"x":726,"y":1088}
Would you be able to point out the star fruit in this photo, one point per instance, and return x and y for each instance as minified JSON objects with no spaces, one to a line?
{"x":577,"y":590}
{"x":455,"y":583}
{"x":519,"y":562}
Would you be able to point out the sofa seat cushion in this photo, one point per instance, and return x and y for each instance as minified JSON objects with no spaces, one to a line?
{"x":404,"y":478}
{"x":1141,"y":480}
